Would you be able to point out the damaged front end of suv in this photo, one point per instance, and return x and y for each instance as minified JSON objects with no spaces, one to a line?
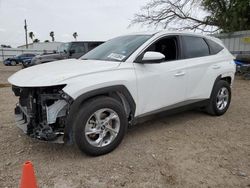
{"x":42,"y":111}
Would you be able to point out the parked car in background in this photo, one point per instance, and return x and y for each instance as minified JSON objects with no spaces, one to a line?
{"x":19,"y":59}
{"x":90,"y":101}
{"x":242,"y":62}
{"x":66,"y":51}
{"x":26,"y":62}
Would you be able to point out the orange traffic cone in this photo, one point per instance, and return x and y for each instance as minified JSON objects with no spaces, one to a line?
{"x":28,"y":179}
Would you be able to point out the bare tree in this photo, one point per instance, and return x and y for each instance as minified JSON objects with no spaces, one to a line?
{"x":175,"y":14}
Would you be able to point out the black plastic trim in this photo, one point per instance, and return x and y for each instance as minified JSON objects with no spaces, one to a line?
{"x":172,"y":109}
{"x":177,"y":105}
{"x":216,"y":80}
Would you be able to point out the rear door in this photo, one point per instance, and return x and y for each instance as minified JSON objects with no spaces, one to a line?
{"x":29,"y":56}
{"x":201,"y":65}
{"x":22,"y":57}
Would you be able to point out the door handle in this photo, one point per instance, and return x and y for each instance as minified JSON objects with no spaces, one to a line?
{"x":216,"y":66}
{"x":180,"y":73}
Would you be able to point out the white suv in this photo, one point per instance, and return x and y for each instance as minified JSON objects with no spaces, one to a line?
{"x":91,"y":101}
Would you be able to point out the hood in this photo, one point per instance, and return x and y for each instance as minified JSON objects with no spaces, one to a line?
{"x":58,"y":72}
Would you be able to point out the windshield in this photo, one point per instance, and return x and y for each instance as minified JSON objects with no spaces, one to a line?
{"x":117,"y":49}
{"x":64,"y":48}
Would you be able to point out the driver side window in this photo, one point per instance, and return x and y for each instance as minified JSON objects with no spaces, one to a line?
{"x":167,"y":46}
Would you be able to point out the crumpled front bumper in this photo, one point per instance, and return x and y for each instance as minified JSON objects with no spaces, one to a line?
{"x":23,"y":120}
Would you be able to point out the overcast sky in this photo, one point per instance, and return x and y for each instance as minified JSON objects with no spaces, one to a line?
{"x":91,"y":19}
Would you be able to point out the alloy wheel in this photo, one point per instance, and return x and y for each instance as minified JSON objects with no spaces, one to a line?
{"x":102,"y":127}
{"x":222,"y":98}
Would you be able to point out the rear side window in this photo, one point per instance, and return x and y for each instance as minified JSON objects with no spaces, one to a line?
{"x":195,"y":47}
{"x":214,"y":47}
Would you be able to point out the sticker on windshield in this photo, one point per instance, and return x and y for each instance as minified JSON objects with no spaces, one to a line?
{"x":115,"y":56}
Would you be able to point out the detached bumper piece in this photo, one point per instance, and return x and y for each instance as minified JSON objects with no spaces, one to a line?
{"x":41,"y":112}
{"x":22,"y":118}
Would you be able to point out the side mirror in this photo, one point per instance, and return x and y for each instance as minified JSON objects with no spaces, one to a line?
{"x":152,"y":57}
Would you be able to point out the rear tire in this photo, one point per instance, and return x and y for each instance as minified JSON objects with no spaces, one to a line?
{"x":220,"y":99}
{"x":13,"y":63}
{"x":100,"y":126}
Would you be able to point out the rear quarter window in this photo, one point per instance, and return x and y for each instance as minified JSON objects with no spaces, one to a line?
{"x":194,"y":47}
{"x":214,"y":47}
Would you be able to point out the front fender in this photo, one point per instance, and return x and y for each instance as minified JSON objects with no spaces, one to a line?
{"x":74,"y":108}
{"x":76,"y":86}
{"x":84,"y":87}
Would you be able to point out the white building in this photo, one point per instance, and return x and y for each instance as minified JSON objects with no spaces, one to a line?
{"x":35,"y":48}
{"x":42,"y":46}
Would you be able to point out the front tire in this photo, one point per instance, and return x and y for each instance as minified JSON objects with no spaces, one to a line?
{"x":25,"y":64}
{"x":100,"y":126}
{"x":220,"y":99}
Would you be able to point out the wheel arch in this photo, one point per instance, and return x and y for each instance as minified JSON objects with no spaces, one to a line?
{"x":118,"y":92}
{"x":227,"y":78}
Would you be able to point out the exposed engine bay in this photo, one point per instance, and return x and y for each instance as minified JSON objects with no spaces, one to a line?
{"x":41,"y":112}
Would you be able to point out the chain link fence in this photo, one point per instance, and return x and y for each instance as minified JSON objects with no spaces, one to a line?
{"x":236,"y":42}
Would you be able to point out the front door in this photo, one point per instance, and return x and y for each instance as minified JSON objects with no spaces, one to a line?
{"x":161,"y":85}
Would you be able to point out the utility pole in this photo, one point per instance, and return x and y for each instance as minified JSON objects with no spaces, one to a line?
{"x":26,"y":35}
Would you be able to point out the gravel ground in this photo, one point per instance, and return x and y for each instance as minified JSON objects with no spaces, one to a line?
{"x":190,"y":149}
